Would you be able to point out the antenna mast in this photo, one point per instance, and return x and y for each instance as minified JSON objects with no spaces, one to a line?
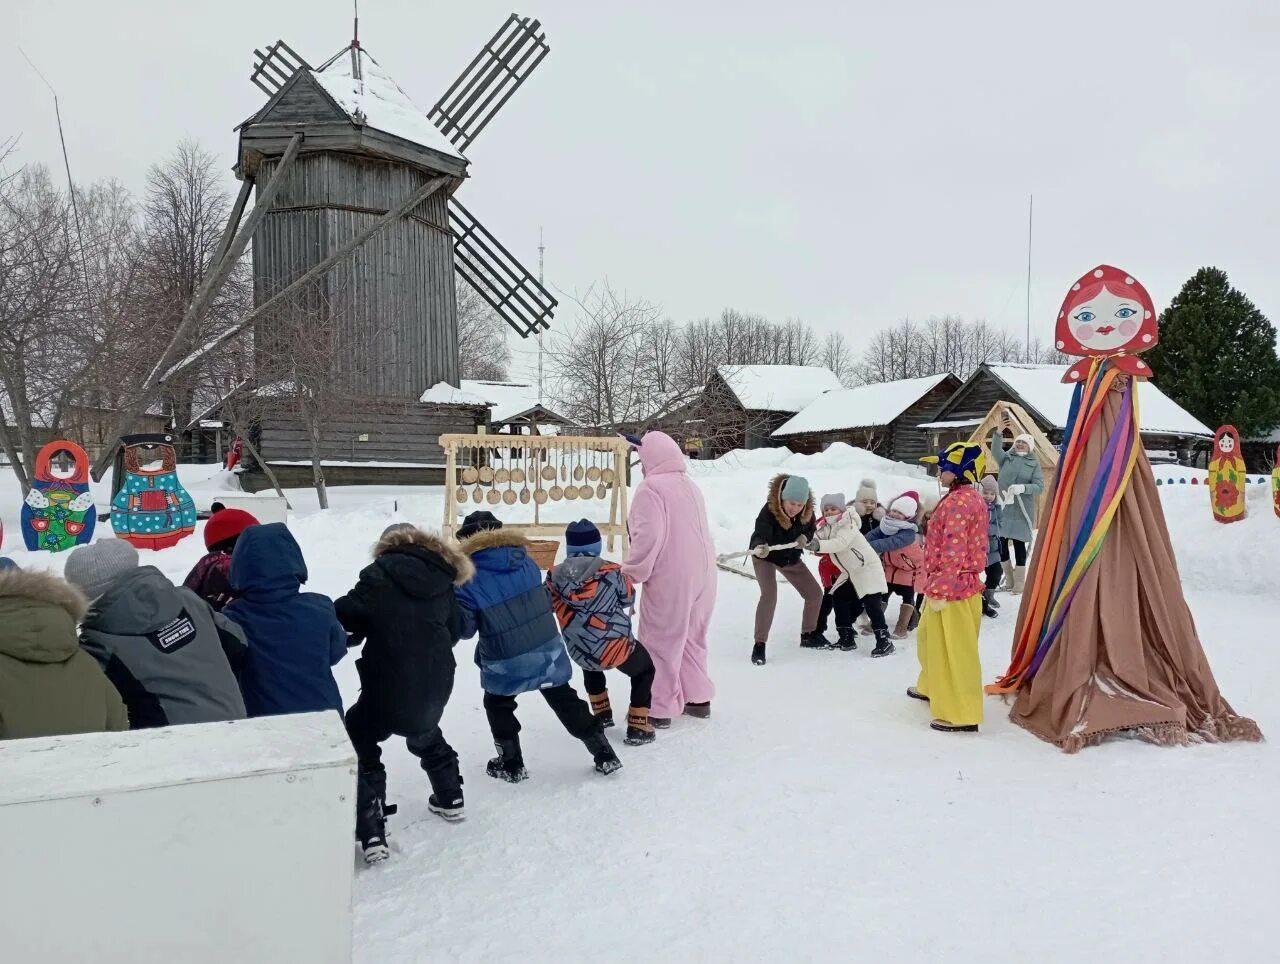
{"x":1031,"y":203}
{"x":541,"y":251}
{"x":355,"y":44}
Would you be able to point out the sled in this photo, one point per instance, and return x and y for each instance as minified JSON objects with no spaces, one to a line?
{"x":1226,"y":479}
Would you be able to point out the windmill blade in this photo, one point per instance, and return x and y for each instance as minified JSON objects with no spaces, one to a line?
{"x":497,"y":72}
{"x":274,"y":66}
{"x":515,"y":294}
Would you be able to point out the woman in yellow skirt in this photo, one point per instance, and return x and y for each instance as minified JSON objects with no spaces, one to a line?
{"x":955,"y":560}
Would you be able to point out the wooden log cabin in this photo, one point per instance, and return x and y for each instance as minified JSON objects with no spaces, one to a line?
{"x":884,"y":418}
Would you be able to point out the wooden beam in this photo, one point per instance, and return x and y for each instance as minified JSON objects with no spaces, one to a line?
{"x":233,"y":222}
{"x":215,"y":277}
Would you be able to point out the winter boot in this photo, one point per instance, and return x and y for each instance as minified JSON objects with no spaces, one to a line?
{"x":995,"y":600}
{"x":601,"y":708}
{"x":915,"y":619}
{"x":944,"y":727}
{"x":606,"y":760}
{"x":447,"y":805}
{"x":915,"y":694}
{"x":757,"y":654}
{"x":508,"y":765}
{"x":848,"y":639}
{"x":371,"y":831}
{"x":883,"y":644}
{"x":639,"y":729}
{"x":1019,"y":579}
{"x":988,"y":610}
{"x":814,"y":640}
{"x":660,"y":722}
{"x":906,"y":621}
{"x":1007,"y":568}
{"x":699,"y":711}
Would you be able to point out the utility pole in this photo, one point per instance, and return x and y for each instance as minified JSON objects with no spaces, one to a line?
{"x":1031,"y":203}
{"x":541,"y":250}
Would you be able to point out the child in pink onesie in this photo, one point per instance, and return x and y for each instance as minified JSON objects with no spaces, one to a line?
{"x":673,"y":558}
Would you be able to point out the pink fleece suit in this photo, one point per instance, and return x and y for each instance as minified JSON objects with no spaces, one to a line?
{"x":673,"y":557}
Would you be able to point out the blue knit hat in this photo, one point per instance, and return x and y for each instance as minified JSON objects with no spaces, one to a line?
{"x":795,"y":489}
{"x":582,"y":538}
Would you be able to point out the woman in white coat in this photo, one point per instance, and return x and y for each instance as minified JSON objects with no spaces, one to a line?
{"x":861,"y":585}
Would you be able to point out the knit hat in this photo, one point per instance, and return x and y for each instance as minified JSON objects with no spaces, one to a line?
{"x":867,"y":491}
{"x":478,"y":522}
{"x":834,"y":500}
{"x":582,"y":538}
{"x":396,"y":527}
{"x":1026,"y":438}
{"x":908,"y":504}
{"x":795,"y":489}
{"x":226,"y":524}
{"x":7,"y":563}
{"x":961,"y":459}
{"x":989,"y":485}
{"x":95,"y":568}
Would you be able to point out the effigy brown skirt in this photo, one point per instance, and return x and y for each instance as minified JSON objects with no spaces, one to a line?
{"x":1128,"y":657}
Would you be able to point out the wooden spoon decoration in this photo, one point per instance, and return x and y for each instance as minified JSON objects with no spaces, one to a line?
{"x":579,"y":473}
{"x":469,"y":474}
{"x":509,"y":497}
{"x":522,"y":476}
{"x":571,"y":490}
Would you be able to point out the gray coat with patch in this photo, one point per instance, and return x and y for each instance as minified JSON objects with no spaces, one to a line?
{"x":167,"y":652}
{"x":1019,"y":511}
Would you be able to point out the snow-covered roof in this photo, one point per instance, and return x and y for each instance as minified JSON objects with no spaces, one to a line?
{"x":1041,"y":388}
{"x":509,"y":399}
{"x":954,"y":423}
{"x":377,"y":101}
{"x":777,"y":388}
{"x":860,"y":407}
{"x":442,"y":393}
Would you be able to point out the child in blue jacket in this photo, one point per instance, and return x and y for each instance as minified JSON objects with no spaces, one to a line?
{"x":520,"y":649}
{"x":294,"y":637}
{"x":995,"y":569}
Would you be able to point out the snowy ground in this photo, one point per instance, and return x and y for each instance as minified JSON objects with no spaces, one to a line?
{"x":816,"y":817}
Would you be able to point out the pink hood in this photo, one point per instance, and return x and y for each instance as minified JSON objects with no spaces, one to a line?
{"x":660,"y":454}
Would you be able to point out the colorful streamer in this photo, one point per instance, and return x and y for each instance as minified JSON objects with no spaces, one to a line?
{"x":1051,"y":596}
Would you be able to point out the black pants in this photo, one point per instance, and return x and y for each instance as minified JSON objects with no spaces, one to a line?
{"x":571,"y":709}
{"x":639,"y":666}
{"x":994,"y":572}
{"x":435,"y":754}
{"x":847,"y":606}
{"x":905,"y":593}
{"x":1019,"y":551}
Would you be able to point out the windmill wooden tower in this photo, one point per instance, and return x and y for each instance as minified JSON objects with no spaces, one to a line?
{"x":390,"y":305}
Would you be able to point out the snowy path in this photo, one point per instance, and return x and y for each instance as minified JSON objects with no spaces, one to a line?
{"x":817,"y":817}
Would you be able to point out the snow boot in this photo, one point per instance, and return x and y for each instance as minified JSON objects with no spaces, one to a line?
{"x":508,"y":765}
{"x":699,"y":711}
{"x":448,"y":805}
{"x":884,"y":646}
{"x":995,"y":600}
{"x":660,"y":722}
{"x":905,"y":624}
{"x":1019,"y":580}
{"x":814,"y":640}
{"x":639,"y":729}
{"x":757,"y":654}
{"x":915,"y":694}
{"x":605,"y":759}
{"x":847,"y":640}
{"x":944,"y":727}
{"x":601,"y":708}
{"x":1006,"y":567}
{"x":371,"y":831}
{"x":988,"y":610}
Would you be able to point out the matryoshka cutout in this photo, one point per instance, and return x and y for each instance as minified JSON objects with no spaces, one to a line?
{"x":58,"y":512}
{"x":1226,"y":476}
{"x":1275,"y":483}
{"x":151,"y":510}
{"x":1107,"y":314}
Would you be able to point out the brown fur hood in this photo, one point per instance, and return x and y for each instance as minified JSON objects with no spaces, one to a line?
{"x":44,"y":588}
{"x":446,"y":549}
{"x":775,"y":504}
{"x":492,"y":539}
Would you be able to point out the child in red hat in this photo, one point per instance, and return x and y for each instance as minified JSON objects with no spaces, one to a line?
{"x":210,"y":578}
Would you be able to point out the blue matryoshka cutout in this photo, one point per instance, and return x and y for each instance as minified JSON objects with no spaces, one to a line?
{"x":151,"y":510}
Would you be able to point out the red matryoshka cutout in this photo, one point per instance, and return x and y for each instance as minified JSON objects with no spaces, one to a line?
{"x":1227,"y":476}
{"x":1275,"y":483}
{"x":1107,"y":314}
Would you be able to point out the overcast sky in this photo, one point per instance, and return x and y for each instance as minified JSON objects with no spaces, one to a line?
{"x":848,"y":163}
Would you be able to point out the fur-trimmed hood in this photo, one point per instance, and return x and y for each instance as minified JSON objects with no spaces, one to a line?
{"x":775,"y":504}
{"x":39,"y":613}
{"x":494,"y":539}
{"x":446,"y":549}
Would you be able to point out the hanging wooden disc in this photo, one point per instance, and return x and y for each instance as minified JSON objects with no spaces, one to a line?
{"x":461,"y":494}
{"x":586,"y":491}
{"x":477,"y":496}
{"x":608,"y":476}
{"x":540,"y":496}
{"x":556,"y":493}
{"x":548,"y":473}
{"x":470,"y":476}
{"x":570,"y":492}
{"x":517,"y":474}
{"x":509,"y":497}
{"x":486,"y":474}
{"x":593,"y":474}
{"x":524,"y":496}
{"x":494,"y":497}
{"x":602,"y":490}
{"x":502,"y":475}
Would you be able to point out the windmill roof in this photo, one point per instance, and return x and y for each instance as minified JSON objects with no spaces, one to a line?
{"x":777,"y":388}
{"x":860,"y":407}
{"x":1041,"y":387}
{"x":375,"y":100}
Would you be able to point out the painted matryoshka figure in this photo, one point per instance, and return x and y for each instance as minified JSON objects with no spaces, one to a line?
{"x":151,"y":510}
{"x":1275,"y":483}
{"x":1107,"y":314}
{"x":58,"y":512}
{"x":1226,"y":476}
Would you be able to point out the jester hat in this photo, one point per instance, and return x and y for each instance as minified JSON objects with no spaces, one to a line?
{"x":961,"y":458}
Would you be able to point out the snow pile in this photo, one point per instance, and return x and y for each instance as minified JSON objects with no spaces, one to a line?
{"x":375,"y":100}
{"x":442,"y":393}
{"x":1041,"y":387}
{"x":860,"y":407}
{"x":777,"y":388}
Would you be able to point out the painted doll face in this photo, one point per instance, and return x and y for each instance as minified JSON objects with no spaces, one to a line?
{"x":1106,"y":322}
{"x":1227,"y":444}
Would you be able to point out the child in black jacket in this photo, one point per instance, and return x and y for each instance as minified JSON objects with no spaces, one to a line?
{"x":786,"y":522}
{"x":404,"y":611}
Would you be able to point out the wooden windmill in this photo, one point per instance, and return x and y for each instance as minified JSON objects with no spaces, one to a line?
{"x":353,"y":188}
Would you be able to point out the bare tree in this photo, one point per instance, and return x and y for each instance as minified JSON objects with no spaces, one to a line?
{"x":483,"y":352}
{"x":947,"y":344}
{"x":837,"y":357}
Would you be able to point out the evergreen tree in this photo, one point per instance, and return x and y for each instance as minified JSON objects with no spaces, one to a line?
{"x":1217,"y":356}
